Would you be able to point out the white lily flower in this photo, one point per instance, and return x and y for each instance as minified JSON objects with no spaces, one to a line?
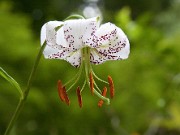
{"x":106,"y":42}
{"x":84,"y":40}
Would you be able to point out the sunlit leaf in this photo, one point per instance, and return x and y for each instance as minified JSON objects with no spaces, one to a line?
{"x":6,"y":76}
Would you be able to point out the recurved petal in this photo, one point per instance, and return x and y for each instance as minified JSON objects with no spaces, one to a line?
{"x":56,"y":45}
{"x":60,"y":38}
{"x":75,"y":31}
{"x":48,"y":32}
{"x":116,"y":48}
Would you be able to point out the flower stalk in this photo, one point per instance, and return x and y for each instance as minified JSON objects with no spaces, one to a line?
{"x":26,"y":91}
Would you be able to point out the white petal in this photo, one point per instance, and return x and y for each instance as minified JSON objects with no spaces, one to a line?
{"x":115,"y":48}
{"x":95,"y":57}
{"x":51,"y":32}
{"x":57,"y":47}
{"x":51,"y":53}
{"x":76,"y":30}
{"x":91,"y":28}
{"x":48,"y":32}
{"x":121,"y":45}
{"x":60,"y":39}
{"x":102,"y":35}
{"x":74,"y":58}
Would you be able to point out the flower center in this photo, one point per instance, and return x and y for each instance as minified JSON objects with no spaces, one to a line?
{"x":90,"y":79}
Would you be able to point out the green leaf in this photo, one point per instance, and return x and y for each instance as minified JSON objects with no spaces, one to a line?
{"x":6,"y":76}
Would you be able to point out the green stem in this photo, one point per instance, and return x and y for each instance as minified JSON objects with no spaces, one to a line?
{"x":25,"y":93}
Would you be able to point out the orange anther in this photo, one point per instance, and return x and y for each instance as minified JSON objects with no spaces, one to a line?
{"x":66,"y":96}
{"x":100,"y":103}
{"x":91,"y":83}
{"x":78,"y":92}
{"x":60,"y":91}
{"x":111,"y":85}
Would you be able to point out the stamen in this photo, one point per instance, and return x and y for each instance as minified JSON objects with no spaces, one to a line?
{"x":91,"y":83}
{"x":100,"y":103}
{"x":78,"y":92}
{"x":111,"y":85}
{"x":60,"y":91}
{"x":75,"y":79}
{"x":98,"y":78}
{"x":66,"y":96}
{"x":97,"y":87}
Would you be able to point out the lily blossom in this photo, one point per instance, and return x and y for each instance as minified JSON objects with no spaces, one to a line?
{"x":83,"y":42}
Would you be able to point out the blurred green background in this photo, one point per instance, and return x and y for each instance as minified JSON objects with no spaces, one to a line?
{"x":147,"y":97}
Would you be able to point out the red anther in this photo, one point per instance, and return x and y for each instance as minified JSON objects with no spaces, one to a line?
{"x":91,"y":83}
{"x":104,"y":92}
{"x":60,"y":91}
{"x":100,"y":103}
{"x":78,"y":92}
{"x":111,"y":85}
{"x":66,"y":96}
